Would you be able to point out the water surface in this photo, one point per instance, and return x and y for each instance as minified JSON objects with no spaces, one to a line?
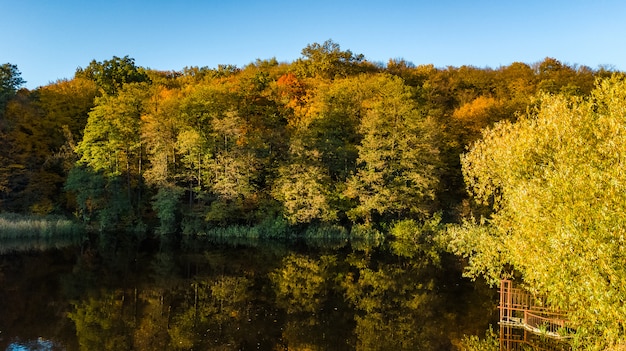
{"x":246,"y":296}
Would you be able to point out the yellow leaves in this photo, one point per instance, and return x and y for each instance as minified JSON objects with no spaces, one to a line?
{"x":482,"y":112}
{"x":558,"y":181}
{"x":476,"y":110}
{"x":189,"y":141}
{"x":291,"y":89}
{"x":303,"y":191}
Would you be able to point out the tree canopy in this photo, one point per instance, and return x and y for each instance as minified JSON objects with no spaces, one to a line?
{"x":555,"y":181}
{"x":10,"y":81}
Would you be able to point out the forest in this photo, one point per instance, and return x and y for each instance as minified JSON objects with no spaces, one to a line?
{"x":520,"y":166}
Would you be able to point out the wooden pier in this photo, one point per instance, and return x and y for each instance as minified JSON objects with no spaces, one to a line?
{"x":526,"y":320}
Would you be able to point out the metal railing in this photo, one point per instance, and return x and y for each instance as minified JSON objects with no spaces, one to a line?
{"x":519,"y":308}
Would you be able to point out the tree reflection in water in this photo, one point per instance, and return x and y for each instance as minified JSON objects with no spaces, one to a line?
{"x":269,"y":297}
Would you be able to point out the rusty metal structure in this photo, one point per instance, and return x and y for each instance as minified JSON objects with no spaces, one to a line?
{"x":526,"y":320}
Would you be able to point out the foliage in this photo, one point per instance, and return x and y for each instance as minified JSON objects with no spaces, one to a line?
{"x":30,"y":170}
{"x":411,"y":239}
{"x":329,"y":139}
{"x":326,"y":60}
{"x":474,"y":343}
{"x":329,"y":142}
{"x":555,"y":182}
{"x":10,"y":81}
{"x":97,"y":327}
{"x":398,"y":157}
{"x":100,"y":200}
{"x":165,"y":204}
{"x":406,"y":284}
{"x":303,"y":192}
{"x":301,"y":283}
{"x":111,"y":75}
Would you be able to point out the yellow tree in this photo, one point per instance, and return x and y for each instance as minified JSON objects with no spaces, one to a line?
{"x":557,"y":187}
{"x":398,"y":157}
{"x":471,"y":118}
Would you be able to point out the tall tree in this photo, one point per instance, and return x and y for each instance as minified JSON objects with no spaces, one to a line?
{"x":10,"y":81}
{"x":322,"y":151}
{"x":555,"y":182}
{"x":112,"y":145}
{"x":304,"y":189}
{"x":397,"y":172}
{"x":327,"y":61}
{"x":111,"y":75}
{"x":68,"y":103}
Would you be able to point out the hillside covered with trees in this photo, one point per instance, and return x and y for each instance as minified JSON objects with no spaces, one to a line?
{"x":329,"y":138}
{"x":334,"y":141}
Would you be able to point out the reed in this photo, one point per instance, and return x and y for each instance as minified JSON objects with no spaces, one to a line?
{"x":272,"y":228}
{"x":235,"y":231}
{"x":15,"y":226}
{"x":326,"y":232}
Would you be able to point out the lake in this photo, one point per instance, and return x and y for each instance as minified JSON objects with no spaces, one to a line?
{"x":238,"y":296}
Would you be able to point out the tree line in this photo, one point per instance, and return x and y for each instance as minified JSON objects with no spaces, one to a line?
{"x":328,"y":138}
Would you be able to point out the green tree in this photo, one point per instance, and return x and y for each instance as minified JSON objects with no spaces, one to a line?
{"x":112,"y":146}
{"x":166,"y":203}
{"x":555,"y":183}
{"x":10,"y":81}
{"x":111,"y":75}
{"x":327,"y":61}
{"x":111,"y":140}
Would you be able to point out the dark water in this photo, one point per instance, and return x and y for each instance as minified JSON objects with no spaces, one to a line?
{"x":253,"y":296}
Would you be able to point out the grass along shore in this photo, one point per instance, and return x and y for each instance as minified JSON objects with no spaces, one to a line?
{"x":16,"y":226}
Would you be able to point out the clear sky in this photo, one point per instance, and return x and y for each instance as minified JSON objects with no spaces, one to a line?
{"x":49,"y":39}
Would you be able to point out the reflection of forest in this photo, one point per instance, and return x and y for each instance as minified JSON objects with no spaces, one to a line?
{"x":269,"y":297}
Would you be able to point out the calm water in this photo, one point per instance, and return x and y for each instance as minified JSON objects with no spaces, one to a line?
{"x":249,"y":296}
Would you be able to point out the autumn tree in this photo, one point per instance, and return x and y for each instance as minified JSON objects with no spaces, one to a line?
{"x":26,"y":142}
{"x":160,"y":126}
{"x":195,"y":144}
{"x":471,"y":118}
{"x":233,"y":169}
{"x":397,"y":165}
{"x":553,"y":76}
{"x":68,"y":102}
{"x":303,"y":187}
{"x":554,"y":181}
{"x":39,"y":130}
{"x":322,"y":152}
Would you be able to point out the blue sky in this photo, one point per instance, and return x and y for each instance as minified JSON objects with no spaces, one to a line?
{"x":48,"y":39}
